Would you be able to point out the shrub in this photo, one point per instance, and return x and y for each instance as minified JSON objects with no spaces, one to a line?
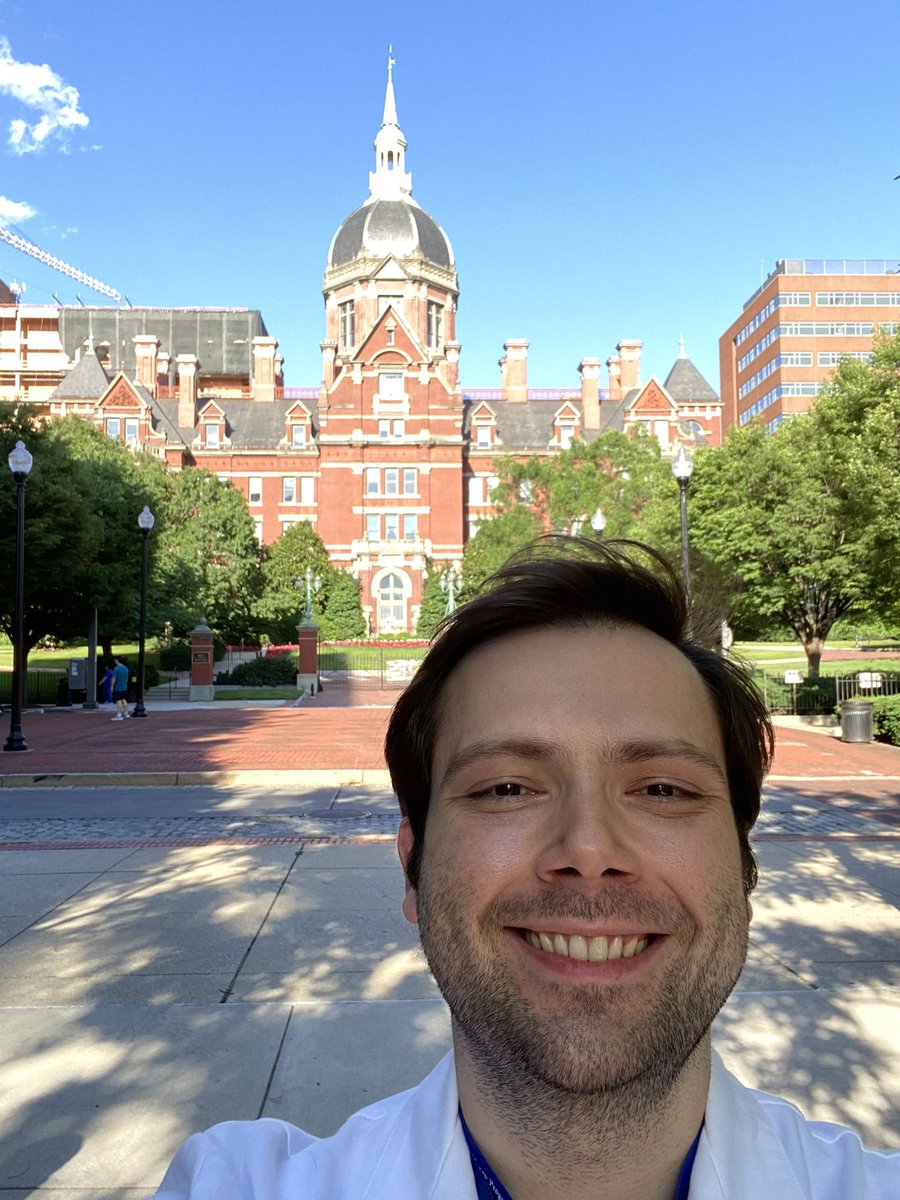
{"x":176,"y":657}
{"x":265,"y":672}
{"x":151,"y":675}
{"x":886,"y":718}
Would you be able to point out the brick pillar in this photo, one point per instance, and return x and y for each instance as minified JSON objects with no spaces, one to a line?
{"x":308,"y":658}
{"x":202,"y":656}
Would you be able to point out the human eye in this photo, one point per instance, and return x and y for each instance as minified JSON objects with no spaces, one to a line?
{"x":504,"y":789}
{"x":664,"y":791}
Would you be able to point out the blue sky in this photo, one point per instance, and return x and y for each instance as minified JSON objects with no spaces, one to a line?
{"x":621,"y":168}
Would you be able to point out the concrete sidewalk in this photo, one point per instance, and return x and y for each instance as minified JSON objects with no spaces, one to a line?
{"x":175,"y":956}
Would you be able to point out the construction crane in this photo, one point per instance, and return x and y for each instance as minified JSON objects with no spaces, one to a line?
{"x":18,"y":242}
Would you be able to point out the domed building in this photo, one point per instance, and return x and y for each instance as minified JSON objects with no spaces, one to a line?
{"x":390,"y":409}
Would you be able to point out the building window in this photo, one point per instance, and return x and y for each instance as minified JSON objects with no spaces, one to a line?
{"x":211,"y":436}
{"x":389,"y":330}
{"x":258,"y":530}
{"x":298,"y":436}
{"x":410,"y":483}
{"x":254,"y":489}
{"x":390,"y":385}
{"x":373,"y":479}
{"x":113,"y":427}
{"x":391,"y":604}
{"x":373,"y":527}
{"x":435,"y":330}
{"x":288,"y":489}
{"x":410,"y":527}
{"x":131,"y":429}
{"x":398,"y":429}
{"x":483,"y":437}
{"x":347,"y":316}
{"x":391,"y":527}
{"x":384,"y":428}
{"x":307,"y":489}
{"x":388,"y":428}
{"x":391,"y":479}
{"x":566,"y":433}
{"x":476,"y":489}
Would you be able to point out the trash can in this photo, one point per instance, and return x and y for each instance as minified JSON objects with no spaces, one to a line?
{"x":63,"y":696}
{"x":856,"y":721}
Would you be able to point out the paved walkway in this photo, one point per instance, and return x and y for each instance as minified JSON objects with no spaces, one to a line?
{"x":174,"y":955}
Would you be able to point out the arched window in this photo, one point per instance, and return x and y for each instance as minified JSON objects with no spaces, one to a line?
{"x":391,"y":604}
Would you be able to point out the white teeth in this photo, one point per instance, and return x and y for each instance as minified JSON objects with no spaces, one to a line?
{"x":578,"y":948}
{"x":596,"y":949}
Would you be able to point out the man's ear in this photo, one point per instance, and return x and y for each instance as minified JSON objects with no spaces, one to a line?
{"x":405,"y":841}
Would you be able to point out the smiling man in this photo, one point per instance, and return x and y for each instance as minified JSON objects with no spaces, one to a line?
{"x":578,"y":777}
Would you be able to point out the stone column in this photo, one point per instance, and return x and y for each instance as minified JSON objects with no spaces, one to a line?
{"x":202,"y":655}
{"x":308,"y":658}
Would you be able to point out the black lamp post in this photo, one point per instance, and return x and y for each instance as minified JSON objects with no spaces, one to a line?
{"x":20,"y":464}
{"x":313,"y":584}
{"x":682,"y":469}
{"x":145,"y":522}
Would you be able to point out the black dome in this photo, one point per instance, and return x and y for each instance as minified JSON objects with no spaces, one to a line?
{"x":397,"y":227}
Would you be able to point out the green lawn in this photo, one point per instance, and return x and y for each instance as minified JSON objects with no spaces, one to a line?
{"x":223,"y":692}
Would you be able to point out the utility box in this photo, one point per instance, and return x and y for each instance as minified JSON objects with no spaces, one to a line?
{"x":76,"y":674}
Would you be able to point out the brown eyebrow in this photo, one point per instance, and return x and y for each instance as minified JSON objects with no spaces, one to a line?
{"x":540,"y":750}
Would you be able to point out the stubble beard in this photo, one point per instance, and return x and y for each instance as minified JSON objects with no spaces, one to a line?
{"x":611,"y":1051}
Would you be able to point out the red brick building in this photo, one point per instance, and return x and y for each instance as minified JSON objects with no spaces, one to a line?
{"x":389,"y":458}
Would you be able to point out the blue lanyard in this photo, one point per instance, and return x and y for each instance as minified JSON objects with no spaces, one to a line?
{"x":489,"y":1186}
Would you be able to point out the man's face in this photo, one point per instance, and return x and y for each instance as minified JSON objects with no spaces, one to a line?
{"x":580,"y":901}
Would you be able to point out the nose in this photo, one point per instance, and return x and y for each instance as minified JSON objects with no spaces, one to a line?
{"x":588,"y":838}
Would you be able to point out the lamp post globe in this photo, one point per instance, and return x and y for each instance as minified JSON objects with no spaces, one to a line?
{"x":146,"y":521}
{"x":682,"y":469}
{"x":20,"y":462}
{"x":598,"y":521}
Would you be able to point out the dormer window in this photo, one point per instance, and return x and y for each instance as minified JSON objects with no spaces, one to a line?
{"x":211,"y":436}
{"x":298,"y":437}
{"x":483,"y":436}
{"x":566,"y":434}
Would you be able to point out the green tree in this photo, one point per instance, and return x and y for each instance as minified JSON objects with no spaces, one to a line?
{"x":206,"y":549}
{"x":617,"y":473}
{"x":434,"y":602}
{"x":342,"y":617}
{"x":281,"y":605}
{"x":494,"y":541}
{"x":772,"y":512}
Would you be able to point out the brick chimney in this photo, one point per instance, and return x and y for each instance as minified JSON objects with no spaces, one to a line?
{"x":589,"y":370}
{"x":514,"y":369}
{"x":264,"y":381}
{"x":614,"y":366}
{"x":146,"y":355}
{"x":630,"y":355}
{"x":188,"y":368}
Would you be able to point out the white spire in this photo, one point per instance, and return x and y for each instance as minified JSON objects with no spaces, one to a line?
{"x":390,"y":180}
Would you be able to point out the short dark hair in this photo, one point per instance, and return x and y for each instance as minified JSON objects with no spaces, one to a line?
{"x":578,"y":583}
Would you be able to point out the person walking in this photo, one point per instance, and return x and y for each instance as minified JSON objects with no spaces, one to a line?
{"x":108,"y":676}
{"x":120,"y":690}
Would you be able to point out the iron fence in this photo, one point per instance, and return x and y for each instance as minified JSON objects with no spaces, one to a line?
{"x":376,"y":668}
{"x":41,"y":685}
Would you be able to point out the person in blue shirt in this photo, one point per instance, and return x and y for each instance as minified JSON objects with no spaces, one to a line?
{"x":120,"y":690}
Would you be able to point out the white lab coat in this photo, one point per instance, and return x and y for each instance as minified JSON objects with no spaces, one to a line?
{"x":411,"y":1147}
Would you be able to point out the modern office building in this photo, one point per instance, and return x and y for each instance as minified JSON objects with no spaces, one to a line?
{"x":796,"y":327}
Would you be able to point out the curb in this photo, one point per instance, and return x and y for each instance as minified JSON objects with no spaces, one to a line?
{"x":110,"y":779}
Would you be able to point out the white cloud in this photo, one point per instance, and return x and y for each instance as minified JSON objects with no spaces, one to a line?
{"x":12,"y":212}
{"x":40,"y":88}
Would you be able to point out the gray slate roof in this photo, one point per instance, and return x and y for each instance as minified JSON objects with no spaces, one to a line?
{"x":685,"y":383}
{"x":390,"y":227}
{"x":248,"y":423}
{"x":86,"y":381}
{"x":221,"y":338}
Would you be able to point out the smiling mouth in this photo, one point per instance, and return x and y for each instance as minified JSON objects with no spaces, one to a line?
{"x":595,"y":949}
